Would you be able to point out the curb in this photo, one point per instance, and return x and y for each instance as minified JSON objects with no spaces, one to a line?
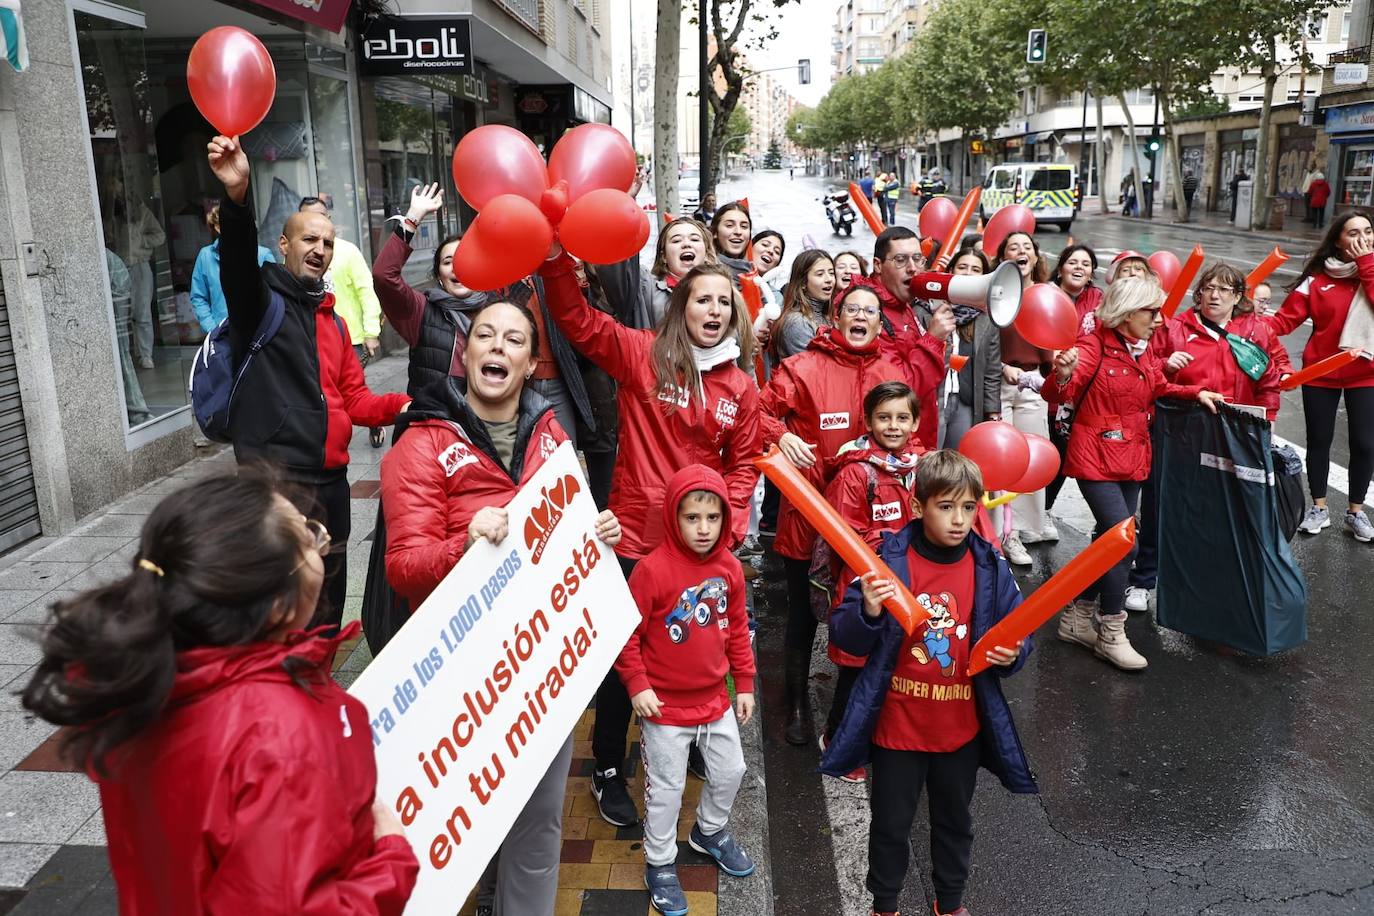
{"x":751,"y":896}
{"x":1229,"y":231}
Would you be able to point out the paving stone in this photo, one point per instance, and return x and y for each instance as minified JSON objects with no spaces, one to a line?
{"x":39,"y":575}
{"x":45,"y":807}
{"x":76,"y":881}
{"x":82,"y":549}
{"x":19,"y":862}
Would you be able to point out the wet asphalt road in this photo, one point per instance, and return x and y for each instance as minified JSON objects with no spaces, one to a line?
{"x":1208,"y":784}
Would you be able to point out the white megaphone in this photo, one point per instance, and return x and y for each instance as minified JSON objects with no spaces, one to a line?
{"x":997,"y":293}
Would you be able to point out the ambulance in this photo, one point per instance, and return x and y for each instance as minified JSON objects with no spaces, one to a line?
{"x":1051,"y":191}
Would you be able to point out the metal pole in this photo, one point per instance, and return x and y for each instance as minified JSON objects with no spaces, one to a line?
{"x":704,"y":110}
{"x":634,"y":74}
{"x":1083,"y":152}
{"x":1154,"y":160}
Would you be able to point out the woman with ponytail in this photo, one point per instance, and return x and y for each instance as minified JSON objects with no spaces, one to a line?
{"x":235,"y":776}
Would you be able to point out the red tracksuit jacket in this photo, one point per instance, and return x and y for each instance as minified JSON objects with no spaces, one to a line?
{"x":1326,"y":300}
{"x":1214,"y":366}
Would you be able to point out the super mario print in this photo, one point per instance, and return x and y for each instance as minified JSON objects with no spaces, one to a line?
{"x":942,"y":626}
{"x":701,"y":603}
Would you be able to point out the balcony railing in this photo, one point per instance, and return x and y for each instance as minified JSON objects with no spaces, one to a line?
{"x":526,"y":11}
{"x":1358,"y":55}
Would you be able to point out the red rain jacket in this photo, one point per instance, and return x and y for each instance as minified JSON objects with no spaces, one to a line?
{"x":659,"y":436}
{"x":694,"y":625}
{"x":438,"y":474}
{"x":819,"y":395}
{"x":1214,"y":366}
{"x":251,"y":794}
{"x":1111,"y":428}
{"x":1326,"y":300}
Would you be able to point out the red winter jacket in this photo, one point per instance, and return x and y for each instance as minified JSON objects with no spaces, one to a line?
{"x":694,"y":625}
{"x":819,"y":395}
{"x":921,"y":357}
{"x":1326,"y":300}
{"x":251,"y":794}
{"x":1214,"y":366}
{"x":1089,"y":298}
{"x":659,"y":436}
{"x":441,"y":470}
{"x":1318,"y":192}
{"x":1111,"y":428}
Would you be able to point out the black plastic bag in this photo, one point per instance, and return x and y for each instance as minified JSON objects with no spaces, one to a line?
{"x":1288,"y":491}
{"x":1225,"y":571}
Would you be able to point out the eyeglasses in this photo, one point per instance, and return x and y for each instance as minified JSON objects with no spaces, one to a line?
{"x":320,"y":539}
{"x":902,"y":260}
{"x":1218,"y":290}
{"x":854,"y":311}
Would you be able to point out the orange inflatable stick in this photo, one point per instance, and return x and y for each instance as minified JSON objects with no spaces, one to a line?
{"x":667,"y":218}
{"x":1182,"y":282}
{"x":1320,"y":367}
{"x":744,"y":202}
{"x":956,"y":229}
{"x":848,"y":546}
{"x":1061,"y":588}
{"x":1262,"y":271}
{"x":866,"y":209}
{"x":753,"y":300}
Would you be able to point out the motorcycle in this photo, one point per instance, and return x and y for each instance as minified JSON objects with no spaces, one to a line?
{"x":840,"y":212}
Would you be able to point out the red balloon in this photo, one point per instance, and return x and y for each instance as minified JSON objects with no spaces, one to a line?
{"x":937,"y":218}
{"x":1044,"y":464}
{"x":590,"y":157}
{"x":495,"y":160}
{"x":509,"y":240}
{"x":1047,"y":318}
{"x":604,"y":227}
{"x":231,"y":78}
{"x":1166,"y":265}
{"x":1013,"y":218}
{"x":554,"y":202}
{"x":1000,"y":450}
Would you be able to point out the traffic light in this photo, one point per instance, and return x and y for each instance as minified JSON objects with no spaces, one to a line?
{"x":1035,"y":46}
{"x":804,"y":71}
{"x":1152,"y":146}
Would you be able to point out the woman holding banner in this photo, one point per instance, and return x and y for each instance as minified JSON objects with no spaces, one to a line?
{"x":1335,"y":283}
{"x":235,"y":775}
{"x":1113,"y":377}
{"x":686,"y":396}
{"x":462,"y":451}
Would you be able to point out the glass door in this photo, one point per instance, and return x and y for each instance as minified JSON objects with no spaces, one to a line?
{"x":1357,"y":182}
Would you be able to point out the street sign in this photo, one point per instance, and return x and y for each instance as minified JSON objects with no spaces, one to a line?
{"x":1350,"y":74}
{"x":391,"y":45}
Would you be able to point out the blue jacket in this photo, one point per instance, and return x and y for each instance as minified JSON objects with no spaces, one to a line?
{"x":995,"y":595}
{"x":207,"y":296}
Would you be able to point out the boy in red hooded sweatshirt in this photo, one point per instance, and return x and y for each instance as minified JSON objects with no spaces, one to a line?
{"x":690,"y":593}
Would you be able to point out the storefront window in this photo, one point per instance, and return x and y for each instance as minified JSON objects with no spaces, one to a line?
{"x":155,"y":329}
{"x":332,"y":128}
{"x":1358,"y":177}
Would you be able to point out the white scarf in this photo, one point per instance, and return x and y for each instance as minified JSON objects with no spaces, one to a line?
{"x":1358,"y":331}
{"x":708,"y":358}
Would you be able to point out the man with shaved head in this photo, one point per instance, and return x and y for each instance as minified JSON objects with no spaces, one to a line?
{"x":296,"y":405}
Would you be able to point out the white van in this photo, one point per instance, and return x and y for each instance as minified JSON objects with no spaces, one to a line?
{"x":1051,"y":191}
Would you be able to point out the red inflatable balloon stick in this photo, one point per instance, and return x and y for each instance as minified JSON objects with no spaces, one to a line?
{"x":957,"y":362}
{"x":937,"y":218}
{"x":1000,"y":450}
{"x":231,"y":79}
{"x":508,"y":240}
{"x":1166,"y":265}
{"x":590,"y":157}
{"x":956,"y":229}
{"x":1262,"y":271}
{"x":1047,"y":317}
{"x":832,"y":527}
{"x":1044,"y":465}
{"x":1182,"y":282}
{"x":865,"y":207}
{"x":1319,"y":368}
{"x":1061,"y":588}
{"x":1013,"y":218}
{"x":494,"y":160}
{"x":604,"y":226}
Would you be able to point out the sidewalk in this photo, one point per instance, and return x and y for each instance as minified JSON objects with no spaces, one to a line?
{"x":52,"y":838}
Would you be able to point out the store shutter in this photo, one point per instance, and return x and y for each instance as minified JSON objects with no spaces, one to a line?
{"x":18,"y":499}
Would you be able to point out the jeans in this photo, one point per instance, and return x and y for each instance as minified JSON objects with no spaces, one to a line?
{"x":1146,"y":567}
{"x":555,"y":391}
{"x":333,"y":505}
{"x":1111,"y":502}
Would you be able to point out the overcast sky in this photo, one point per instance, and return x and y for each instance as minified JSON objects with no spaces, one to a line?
{"x":804,"y":31}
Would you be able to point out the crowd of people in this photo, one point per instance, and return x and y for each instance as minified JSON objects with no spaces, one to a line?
{"x":234,"y":775}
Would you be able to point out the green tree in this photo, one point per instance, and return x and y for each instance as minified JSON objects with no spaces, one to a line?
{"x":773,"y":158}
{"x":963,"y":70}
{"x":739,"y":129}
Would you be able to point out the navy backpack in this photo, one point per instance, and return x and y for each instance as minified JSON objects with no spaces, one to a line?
{"x":215,"y":374}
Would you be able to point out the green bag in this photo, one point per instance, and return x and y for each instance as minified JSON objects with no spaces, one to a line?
{"x":1249,"y":355}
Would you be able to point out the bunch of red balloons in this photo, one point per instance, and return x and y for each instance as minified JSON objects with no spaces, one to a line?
{"x":1010,"y":459}
{"x":521,"y":202}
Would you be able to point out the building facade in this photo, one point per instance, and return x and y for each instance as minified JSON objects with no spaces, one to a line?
{"x":104,"y":194}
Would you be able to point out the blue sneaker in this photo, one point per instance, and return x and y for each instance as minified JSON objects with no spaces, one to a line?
{"x":665,"y":893}
{"x":723,"y":848}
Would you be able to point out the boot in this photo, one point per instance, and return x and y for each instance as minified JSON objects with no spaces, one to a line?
{"x":798,"y":703}
{"x":1076,"y":624}
{"x":1113,"y":646}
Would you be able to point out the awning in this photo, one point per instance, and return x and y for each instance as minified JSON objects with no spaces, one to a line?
{"x":1337,"y":139}
{"x":12,"y":44}
{"x":1045,"y":136}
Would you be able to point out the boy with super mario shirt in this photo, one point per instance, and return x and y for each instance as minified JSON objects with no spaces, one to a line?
{"x":914,"y":715}
{"x":694,"y":627}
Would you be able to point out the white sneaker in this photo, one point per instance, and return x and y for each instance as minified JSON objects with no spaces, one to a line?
{"x":1048,"y":532}
{"x":1137,"y":598}
{"x":1015,"y":551}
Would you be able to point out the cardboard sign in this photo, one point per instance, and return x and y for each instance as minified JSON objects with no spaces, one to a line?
{"x":472,"y":699}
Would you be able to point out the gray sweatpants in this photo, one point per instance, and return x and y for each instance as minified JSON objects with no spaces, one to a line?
{"x":524,"y":873}
{"x":664,"y":749}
